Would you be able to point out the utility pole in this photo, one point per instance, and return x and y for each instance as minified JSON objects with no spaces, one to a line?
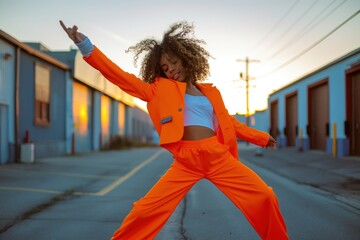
{"x":247,"y":61}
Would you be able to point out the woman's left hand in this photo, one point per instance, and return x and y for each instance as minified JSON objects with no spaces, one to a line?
{"x":271,"y":143}
{"x":73,"y":34}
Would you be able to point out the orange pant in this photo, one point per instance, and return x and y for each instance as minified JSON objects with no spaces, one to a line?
{"x":209,"y":159}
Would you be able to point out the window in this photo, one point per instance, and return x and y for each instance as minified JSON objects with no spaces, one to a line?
{"x":42,"y":95}
{"x":105,"y":114}
{"x":121,"y":119}
{"x":81,"y":108}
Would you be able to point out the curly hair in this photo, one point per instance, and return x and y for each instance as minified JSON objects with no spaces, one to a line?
{"x":176,"y":41}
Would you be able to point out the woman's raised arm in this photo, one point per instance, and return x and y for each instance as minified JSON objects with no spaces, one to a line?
{"x":93,"y":56}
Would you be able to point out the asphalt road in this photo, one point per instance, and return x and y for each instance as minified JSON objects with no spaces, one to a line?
{"x":310,"y":213}
{"x":87,"y":197}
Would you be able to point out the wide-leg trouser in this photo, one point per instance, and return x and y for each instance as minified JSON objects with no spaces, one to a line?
{"x":195,"y":160}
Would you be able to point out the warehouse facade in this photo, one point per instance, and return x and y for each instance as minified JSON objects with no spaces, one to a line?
{"x":320,"y":110}
{"x":56,"y":103}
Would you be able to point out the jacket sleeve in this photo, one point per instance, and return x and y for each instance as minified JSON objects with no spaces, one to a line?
{"x":126,"y":81}
{"x":249,"y":134}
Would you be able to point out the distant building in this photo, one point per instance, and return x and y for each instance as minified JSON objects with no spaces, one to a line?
{"x":99,"y":108}
{"x":258,"y":120}
{"x":32,"y":100}
{"x":240,"y":117}
{"x":57,"y":102}
{"x":320,"y":110}
{"x":141,"y":128}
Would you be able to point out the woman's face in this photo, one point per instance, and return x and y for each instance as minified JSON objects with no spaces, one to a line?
{"x":172,"y":67}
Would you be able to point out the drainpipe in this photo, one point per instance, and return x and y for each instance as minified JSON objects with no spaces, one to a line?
{"x":334,"y":143}
{"x":16,"y":100}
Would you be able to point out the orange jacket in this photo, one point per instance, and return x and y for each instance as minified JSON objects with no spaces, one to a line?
{"x":165,"y":103}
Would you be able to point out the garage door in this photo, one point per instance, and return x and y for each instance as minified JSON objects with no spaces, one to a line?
{"x":319,"y":115}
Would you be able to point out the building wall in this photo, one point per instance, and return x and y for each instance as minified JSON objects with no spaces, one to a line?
{"x":106,"y":115}
{"x":121,"y":119}
{"x":68,"y":58}
{"x":96,"y":120}
{"x":91,"y":77}
{"x":82,"y":117}
{"x":49,"y":140}
{"x":260,"y":121}
{"x":79,"y":120}
{"x":335,"y":75}
{"x":114,"y":123}
{"x":240,"y":118}
{"x":129,"y":123}
{"x":7,"y":107}
{"x":142,"y":127}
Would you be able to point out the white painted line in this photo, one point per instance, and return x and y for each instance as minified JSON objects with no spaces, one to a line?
{"x":122,"y":179}
{"x":58,"y":173}
{"x":102,"y":192}
{"x":31,"y":190}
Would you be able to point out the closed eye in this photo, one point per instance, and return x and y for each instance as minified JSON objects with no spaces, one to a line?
{"x":164,"y":67}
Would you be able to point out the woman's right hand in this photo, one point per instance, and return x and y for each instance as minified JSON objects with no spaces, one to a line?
{"x":271,"y":143}
{"x":73,"y":34}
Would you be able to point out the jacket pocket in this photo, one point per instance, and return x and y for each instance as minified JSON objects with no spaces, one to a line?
{"x":166,"y":119}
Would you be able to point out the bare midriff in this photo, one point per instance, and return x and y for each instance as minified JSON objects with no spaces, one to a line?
{"x":197,"y":133}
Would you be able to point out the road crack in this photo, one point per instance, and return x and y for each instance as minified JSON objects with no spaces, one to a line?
{"x":182,"y":229}
{"x":39,"y":208}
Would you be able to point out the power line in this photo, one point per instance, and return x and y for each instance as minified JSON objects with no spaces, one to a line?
{"x":293,"y":24}
{"x":311,"y":25}
{"x":277,"y":24}
{"x":312,"y":46}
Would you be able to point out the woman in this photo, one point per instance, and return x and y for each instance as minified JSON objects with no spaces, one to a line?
{"x":194,"y":125}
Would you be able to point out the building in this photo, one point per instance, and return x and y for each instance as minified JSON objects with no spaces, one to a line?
{"x":56,"y":102}
{"x":100,"y":109}
{"x":320,"y":110}
{"x":141,"y":127}
{"x":258,"y":120}
{"x":32,"y":101}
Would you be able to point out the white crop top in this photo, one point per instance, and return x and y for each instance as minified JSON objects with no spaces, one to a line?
{"x":198,"y":111}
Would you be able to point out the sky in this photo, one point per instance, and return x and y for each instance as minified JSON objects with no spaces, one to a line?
{"x":286,"y":38}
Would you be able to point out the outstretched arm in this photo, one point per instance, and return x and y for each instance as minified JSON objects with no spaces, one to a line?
{"x":93,"y":56}
{"x":252,"y":135}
